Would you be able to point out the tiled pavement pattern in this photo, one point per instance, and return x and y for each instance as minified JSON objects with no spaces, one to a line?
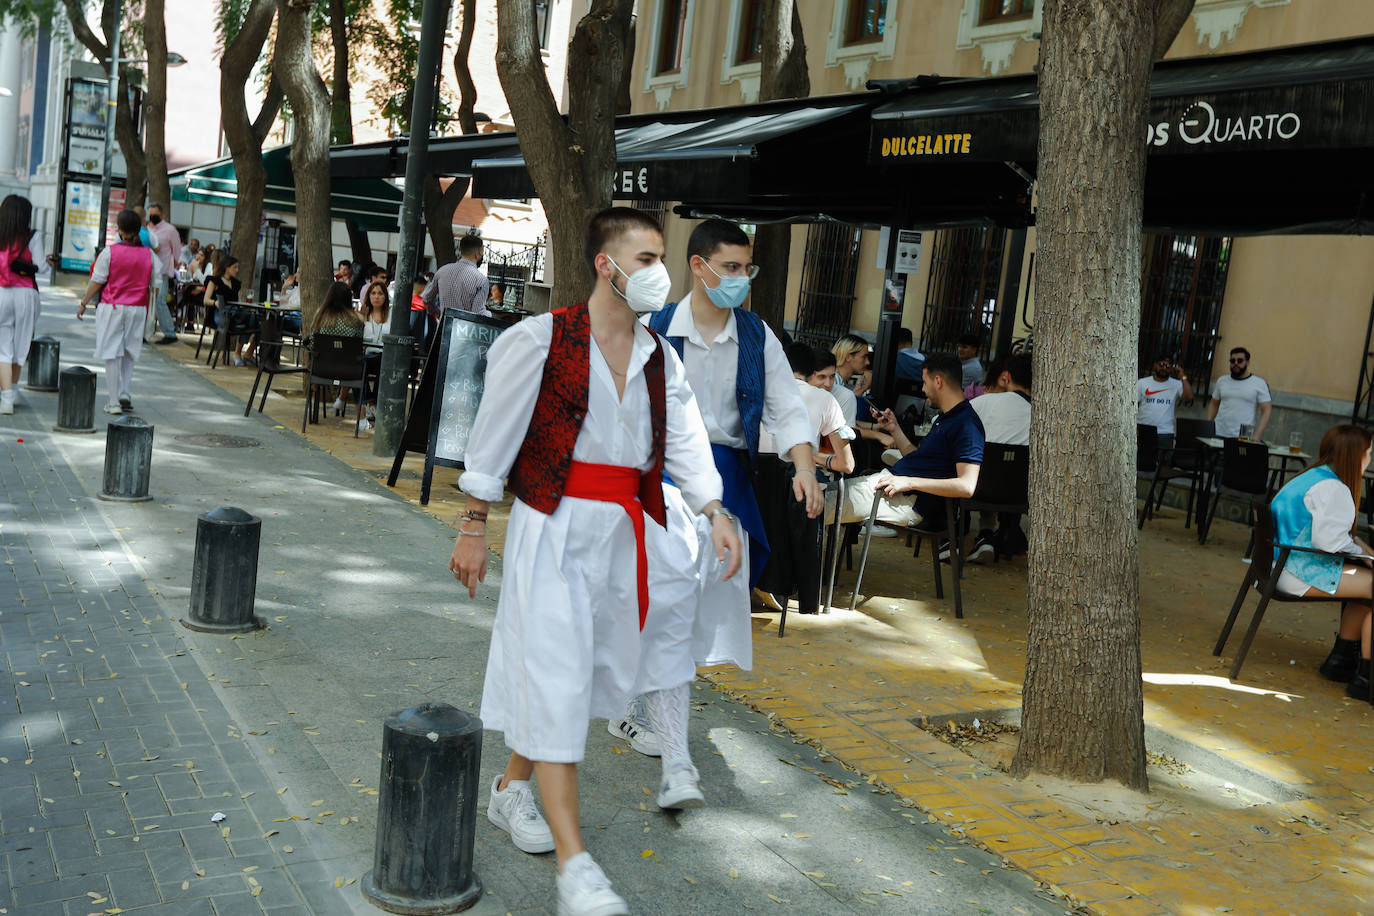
{"x":115,"y":752}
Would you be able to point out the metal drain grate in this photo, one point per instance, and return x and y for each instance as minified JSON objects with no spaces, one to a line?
{"x":215,"y":440}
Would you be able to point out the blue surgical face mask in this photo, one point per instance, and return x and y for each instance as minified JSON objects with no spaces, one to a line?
{"x":731,"y":291}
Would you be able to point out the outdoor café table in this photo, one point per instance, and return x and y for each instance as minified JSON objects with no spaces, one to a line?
{"x":1279,"y":459}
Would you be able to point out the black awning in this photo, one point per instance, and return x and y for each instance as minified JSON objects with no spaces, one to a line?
{"x":448,"y":156}
{"x":1262,"y":142}
{"x":1303,"y":97}
{"x":723,"y":154}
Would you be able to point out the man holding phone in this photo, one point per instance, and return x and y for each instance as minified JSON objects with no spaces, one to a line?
{"x":944,"y":465}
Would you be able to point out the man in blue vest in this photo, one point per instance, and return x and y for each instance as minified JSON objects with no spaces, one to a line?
{"x":742,"y":381}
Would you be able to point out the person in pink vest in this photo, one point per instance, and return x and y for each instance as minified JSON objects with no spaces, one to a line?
{"x":122,"y":279}
{"x":21,"y":260}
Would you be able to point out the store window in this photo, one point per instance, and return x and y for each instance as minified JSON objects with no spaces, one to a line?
{"x":1183,"y":285}
{"x":830,"y":269}
{"x":961,"y":295}
{"x":865,"y":21}
{"x":750,"y":47}
{"x":672,"y":27}
{"x":1001,"y":10}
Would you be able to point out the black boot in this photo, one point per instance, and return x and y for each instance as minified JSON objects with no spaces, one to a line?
{"x":1358,"y":688}
{"x":1340,"y":664}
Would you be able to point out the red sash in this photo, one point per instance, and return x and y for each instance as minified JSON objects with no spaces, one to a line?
{"x":620,"y":485}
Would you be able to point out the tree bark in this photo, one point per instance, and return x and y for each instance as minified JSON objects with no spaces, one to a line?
{"x":784,"y":76}
{"x":341,"y":106}
{"x":155,"y":104}
{"x":245,"y":137}
{"x":136,"y":172}
{"x":440,"y":202}
{"x":570,"y":162}
{"x":1082,"y":704}
{"x":310,"y":108}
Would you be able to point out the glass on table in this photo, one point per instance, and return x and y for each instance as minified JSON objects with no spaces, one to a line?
{"x":1247,"y":430}
{"x":1295,"y":442}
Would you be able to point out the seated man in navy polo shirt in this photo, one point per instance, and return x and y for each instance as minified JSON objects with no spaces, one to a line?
{"x":944,"y":465}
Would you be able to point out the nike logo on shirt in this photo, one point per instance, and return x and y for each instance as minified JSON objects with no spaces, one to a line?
{"x":1149,"y":393}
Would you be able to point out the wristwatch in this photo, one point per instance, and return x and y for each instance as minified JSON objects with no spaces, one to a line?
{"x":721,"y":510}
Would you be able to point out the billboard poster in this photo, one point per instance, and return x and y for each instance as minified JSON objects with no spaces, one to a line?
{"x":86,"y":130}
{"x":80,"y":225}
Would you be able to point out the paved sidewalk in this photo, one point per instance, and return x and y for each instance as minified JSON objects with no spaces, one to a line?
{"x":364,"y":620}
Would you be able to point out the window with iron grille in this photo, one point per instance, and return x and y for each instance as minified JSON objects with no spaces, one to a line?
{"x":658,"y":209}
{"x":1001,"y":10}
{"x":961,"y":296}
{"x":830,"y":269}
{"x":864,"y":21}
{"x":1183,"y":285}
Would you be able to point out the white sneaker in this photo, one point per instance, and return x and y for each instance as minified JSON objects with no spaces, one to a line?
{"x":637,"y":732}
{"x":114,"y":410}
{"x":584,"y":890}
{"x":363,"y":425}
{"x":680,"y":787}
{"x":515,"y":812}
{"x":7,"y":402}
{"x":878,"y":531}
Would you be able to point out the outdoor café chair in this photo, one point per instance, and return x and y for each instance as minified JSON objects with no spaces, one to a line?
{"x":1187,"y":460}
{"x":1244,"y":473}
{"x":936,"y":534}
{"x":1003,"y":483}
{"x":269,"y":360}
{"x":1149,"y":465}
{"x":334,"y":360}
{"x":1263,"y":573}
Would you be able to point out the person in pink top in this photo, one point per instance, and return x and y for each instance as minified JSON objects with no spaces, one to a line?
{"x":123,"y":275}
{"x":21,"y":259}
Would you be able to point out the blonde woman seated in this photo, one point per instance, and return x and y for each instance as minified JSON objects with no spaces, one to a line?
{"x":1317,"y":509}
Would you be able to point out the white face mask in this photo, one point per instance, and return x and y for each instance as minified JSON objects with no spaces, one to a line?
{"x":646,"y":290}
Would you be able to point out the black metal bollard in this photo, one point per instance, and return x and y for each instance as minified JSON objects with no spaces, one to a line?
{"x":224,"y":576}
{"x":76,"y":401}
{"x":427,"y":816}
{"x":44,"y":361}
{"x":128,"y":460}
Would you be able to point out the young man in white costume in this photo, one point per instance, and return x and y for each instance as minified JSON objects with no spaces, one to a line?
{"x":583,"y":409}
{"x":742,"y":382}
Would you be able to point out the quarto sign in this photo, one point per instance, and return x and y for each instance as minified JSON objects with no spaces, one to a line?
{"x":1201,"y":123}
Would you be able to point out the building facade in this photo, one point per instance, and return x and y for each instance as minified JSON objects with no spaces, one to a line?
{"x":1201,"y":295}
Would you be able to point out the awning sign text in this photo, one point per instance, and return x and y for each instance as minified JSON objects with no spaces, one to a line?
{"x":928,"y":145}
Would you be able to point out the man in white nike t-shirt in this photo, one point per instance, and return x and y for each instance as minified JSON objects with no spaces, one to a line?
{"x":1156,"y":396}
{"x":1237,"y":397}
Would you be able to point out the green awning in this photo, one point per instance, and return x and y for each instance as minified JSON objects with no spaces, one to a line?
{"x":372,"y":203}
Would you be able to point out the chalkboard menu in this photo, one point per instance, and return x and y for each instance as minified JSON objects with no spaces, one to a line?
{"x":450,"y":391}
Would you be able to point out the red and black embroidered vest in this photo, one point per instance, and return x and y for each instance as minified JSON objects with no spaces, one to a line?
{"x":541,"y":467}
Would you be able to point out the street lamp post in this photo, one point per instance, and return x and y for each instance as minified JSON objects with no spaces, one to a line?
{"x":396,"y":345}
{"x":111,"y":106}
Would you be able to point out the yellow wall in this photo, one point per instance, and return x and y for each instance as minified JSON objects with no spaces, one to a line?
{"x":1300,"y":305}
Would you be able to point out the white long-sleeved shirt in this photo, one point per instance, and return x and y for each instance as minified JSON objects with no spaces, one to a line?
{"x":616,"y":431}
{"x":712,"y":370}
{"x":1333,"y":514}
